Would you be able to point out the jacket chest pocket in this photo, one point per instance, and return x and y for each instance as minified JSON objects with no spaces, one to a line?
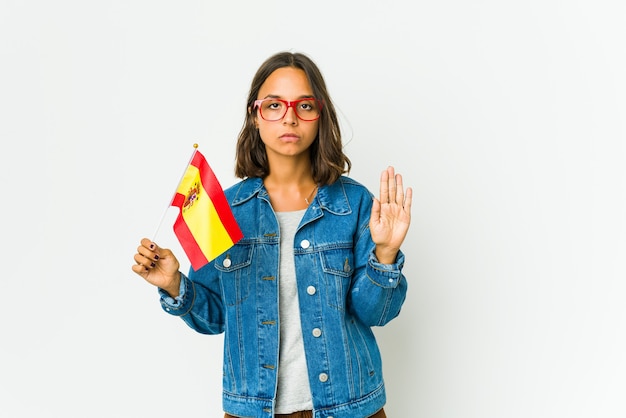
{"x":235,"y":269}
{"x":338,"y":267}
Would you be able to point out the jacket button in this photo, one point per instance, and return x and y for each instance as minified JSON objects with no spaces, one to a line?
{"x":323,"y":377}
{"x":305,"y":243}
{"x":226,"y":263}
{"x":311,"y":290}
{"x":316,"y":332}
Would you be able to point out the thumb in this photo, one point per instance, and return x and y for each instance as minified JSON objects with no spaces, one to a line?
{"x":375,"y":215}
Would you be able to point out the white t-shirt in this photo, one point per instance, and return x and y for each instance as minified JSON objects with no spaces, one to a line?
{"x":294,"y":392}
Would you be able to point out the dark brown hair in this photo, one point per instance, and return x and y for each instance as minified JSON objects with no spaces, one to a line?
{"x":328,"y":160}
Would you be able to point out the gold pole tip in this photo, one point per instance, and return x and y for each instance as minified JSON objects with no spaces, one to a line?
{"x":195,"y":145}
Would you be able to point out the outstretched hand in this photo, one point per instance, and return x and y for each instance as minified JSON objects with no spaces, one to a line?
{"x":157,"y":266}
{"x":391,"y":216}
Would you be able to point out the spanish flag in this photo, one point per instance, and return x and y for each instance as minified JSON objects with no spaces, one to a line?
{"x":205,"y":226}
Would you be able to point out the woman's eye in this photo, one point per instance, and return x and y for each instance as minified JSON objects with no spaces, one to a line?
{"x":275,"y":105}
{"x":308,"y":106}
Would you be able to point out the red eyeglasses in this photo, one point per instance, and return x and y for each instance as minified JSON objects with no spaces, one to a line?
{"x":273,"y":110}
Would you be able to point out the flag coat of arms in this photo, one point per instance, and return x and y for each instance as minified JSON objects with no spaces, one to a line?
{"x":205,"y":226}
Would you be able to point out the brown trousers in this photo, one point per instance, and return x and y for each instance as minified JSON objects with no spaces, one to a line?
{"x":309,"y":414}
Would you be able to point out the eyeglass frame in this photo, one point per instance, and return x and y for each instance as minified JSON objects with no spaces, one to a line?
{"x":289,"y":103}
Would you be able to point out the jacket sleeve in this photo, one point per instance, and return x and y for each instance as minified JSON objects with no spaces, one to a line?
{"x":199,"y":303}
{"x":377,"y":290}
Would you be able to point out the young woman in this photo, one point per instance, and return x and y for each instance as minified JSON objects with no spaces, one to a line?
{"x":319,"y":264}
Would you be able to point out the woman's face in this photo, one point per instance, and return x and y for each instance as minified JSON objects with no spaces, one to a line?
{"x":289,"y":136}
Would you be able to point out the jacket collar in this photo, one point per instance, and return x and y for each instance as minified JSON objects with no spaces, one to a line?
{"x":332,"y":198}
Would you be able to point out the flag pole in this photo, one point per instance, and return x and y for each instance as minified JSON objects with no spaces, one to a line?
{"x":195,"y":149}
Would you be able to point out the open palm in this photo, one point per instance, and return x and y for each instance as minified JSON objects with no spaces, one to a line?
{"x":391,"y":216}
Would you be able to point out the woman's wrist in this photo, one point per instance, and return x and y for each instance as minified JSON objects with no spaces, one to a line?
{"x":385,"y":255}
{"x":174,"y":288}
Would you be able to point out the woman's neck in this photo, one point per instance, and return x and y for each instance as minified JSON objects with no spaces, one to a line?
{"x":290,"y":188}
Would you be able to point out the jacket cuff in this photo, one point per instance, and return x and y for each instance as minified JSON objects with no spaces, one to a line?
{"x":179,"y":305}
{"x":385,"y":275}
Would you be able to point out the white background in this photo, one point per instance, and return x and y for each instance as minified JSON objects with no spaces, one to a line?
{"x":508,"y":118}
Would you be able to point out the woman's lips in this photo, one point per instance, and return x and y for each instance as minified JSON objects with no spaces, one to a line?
{"x":289,"y":137}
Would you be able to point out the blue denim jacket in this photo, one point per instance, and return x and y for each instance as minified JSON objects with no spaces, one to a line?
{"x":343,"y":291}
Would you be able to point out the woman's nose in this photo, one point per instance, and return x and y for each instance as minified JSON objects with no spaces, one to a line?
{"x":290,"y":117}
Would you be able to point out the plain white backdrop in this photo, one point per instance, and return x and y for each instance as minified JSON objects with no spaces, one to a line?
{"x":508,"y":118}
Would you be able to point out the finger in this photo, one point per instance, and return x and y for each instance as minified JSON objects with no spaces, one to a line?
{"x":375,"y":215}
{"x":149,"y":249}
{"x":391,"y":184}
{"x":408,"y":200}
{"x":146,"y":262}
{"x":148,"y":244}
{"x":139,"y":269}
{"x":384,"y":187}
{"x":399,"y":190}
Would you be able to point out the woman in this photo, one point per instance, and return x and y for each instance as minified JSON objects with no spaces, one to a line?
{"x":319,"y":264}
